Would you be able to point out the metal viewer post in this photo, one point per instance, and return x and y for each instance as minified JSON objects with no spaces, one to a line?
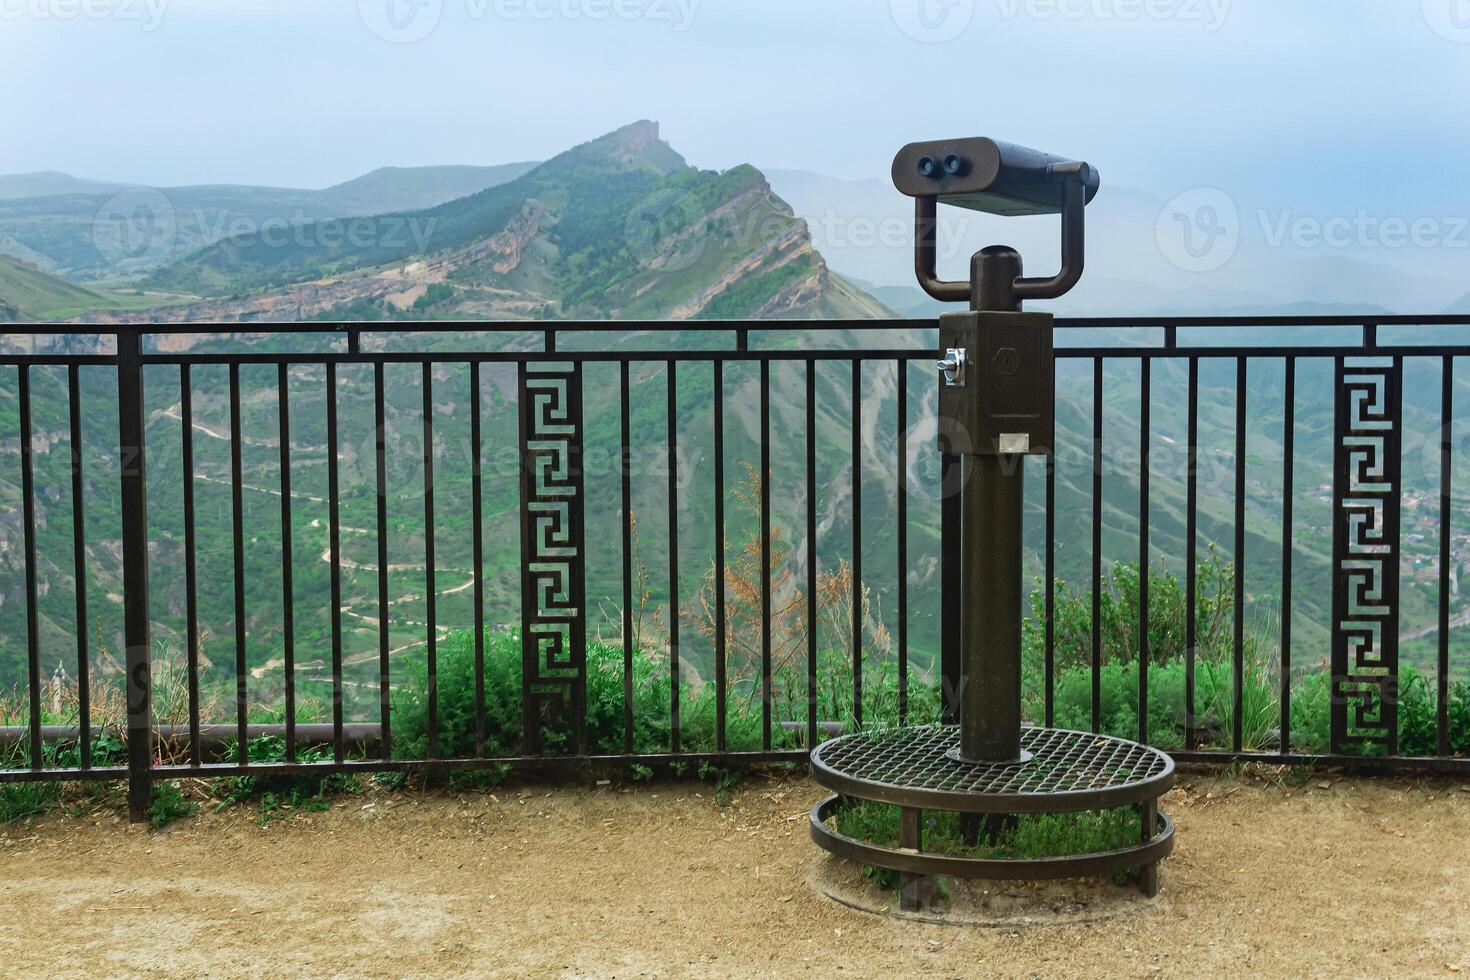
{"x":995,"y":404}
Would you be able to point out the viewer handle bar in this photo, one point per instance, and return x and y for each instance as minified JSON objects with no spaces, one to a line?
{"x":926,"y":233}
{"x":1074,"y":215}
{"x":1073,"y":178}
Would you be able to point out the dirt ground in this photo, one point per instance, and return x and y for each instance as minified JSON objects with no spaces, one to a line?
{"x":1359,"y":878}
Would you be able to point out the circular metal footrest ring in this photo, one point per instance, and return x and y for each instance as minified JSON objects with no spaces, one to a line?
{"x":1068,"y":771}
{"x":1009,"y":869}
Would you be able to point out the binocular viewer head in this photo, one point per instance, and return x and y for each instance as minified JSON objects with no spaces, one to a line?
{"x":982,"y":174}
{"x":997,"y":178}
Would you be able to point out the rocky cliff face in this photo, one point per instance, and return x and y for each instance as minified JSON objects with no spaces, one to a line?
{"x":618,"y":228}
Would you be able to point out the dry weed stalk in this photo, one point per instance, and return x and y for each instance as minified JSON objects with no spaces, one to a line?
{"x":746,"y":608}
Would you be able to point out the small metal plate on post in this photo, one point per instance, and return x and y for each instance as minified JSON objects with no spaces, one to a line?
{"x":1014,"y":443}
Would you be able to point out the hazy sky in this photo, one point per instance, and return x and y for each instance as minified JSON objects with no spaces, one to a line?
{"x":1345,"y":110}
{"x":1315,"y":98}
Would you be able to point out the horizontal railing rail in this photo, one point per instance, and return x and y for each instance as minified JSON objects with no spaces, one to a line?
{"x":711,"y":543}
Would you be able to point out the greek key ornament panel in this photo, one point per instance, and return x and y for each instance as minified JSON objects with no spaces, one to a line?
{"x":1365,"y":546}
{"x":553,"y":615}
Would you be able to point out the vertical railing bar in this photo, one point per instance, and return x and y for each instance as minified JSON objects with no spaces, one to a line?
{"x":1288,"y":492}
{"x":132,"y":457}
{"x":79,"y":564}
{"x":237,"y":538}
{"x":1191,"y":553}
{"x":1238,"y":671}
{"x":477,"y":545}
{"x":1393,"y":532}
{"x":767,"y":694}
{"x":431,"y":633}
{"x":334,"y":544}
{"x":531,"y":713}
{"x":626,"y":460}
{"x":288,"y":552}
{"x":1097,"y":510}
{"x":673,"y":466}
{"x":191,"y":577}
{"x":951,"y":605}
{"x":576,"y":456}
{"x":1050,"y":573}
{"x":380,"y":451}
{"x":721,"y":696}
{"x":857,"y":543}
{"x":902,"y":497}
{"x":28,"y":508}
{"x":1341,"y":487}
{"x":1145,"y":399}
{"x":812,"y":626}
{"x":1446,"y":516}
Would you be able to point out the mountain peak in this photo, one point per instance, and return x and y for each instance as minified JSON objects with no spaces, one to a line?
{"x":636,"y":146}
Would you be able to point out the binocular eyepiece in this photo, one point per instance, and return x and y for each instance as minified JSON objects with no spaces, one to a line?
{"x":953,"y":164}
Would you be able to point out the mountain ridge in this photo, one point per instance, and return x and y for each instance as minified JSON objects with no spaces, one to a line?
{"x":620,"y":227}
{"x":119,"y":232}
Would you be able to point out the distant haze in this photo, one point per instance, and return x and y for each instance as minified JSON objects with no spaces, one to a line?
{"x":1252,"y":151}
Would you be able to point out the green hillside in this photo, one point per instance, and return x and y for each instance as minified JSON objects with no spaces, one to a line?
{"x":620,"y":167}
{"x":617,"y":228}
{"x":29,"y":294}
{"x":621,"y":228}
{"x":406,"y":188}
{"x":96,"y":232}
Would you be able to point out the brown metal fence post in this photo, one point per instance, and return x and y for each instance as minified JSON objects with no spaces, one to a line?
{"x":135,"y":572}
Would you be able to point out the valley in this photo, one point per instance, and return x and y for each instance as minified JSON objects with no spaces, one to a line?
{"x":621,"y":228}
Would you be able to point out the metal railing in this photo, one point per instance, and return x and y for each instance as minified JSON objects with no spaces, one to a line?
{"x":760,"y":644}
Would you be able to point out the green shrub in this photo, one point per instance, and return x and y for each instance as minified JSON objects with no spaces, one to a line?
{"x":1214,"y":671}
{"x":1027,"y":836}
{"x":169,"y":804}
{"x":652,"y":698}
{"x":278,"y":795}
{"x":21,"y":801}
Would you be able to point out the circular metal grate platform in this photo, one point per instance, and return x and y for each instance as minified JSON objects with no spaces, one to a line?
{"x":1069,"y":771}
